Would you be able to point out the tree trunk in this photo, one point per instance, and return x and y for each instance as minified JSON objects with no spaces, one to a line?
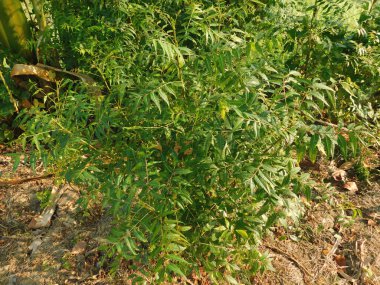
{"x":14,"y":28}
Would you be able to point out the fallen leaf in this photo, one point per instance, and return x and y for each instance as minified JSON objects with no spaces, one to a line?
{"x":347,"y":165}
{"x":340,"y":261}
{"x":26,"y":104}
{"x":188,"y":151}
{"x":325,"y":251}
{"x":79,"y":248}
{"x":177,"y":148}
{"x":371,"y":222}
{"x":345,"y":135}
{"x":158,"y":147}
{"x":339,"y":175}
{"x":351,"y":186}
{"x":34,"y":245}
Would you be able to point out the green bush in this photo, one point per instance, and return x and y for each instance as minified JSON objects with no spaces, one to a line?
{"x":207,"y":108}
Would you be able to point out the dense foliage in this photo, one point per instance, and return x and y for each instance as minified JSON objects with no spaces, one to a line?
{"x":207,"y":107}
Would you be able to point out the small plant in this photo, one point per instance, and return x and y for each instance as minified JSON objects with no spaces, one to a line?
{"x":43,"y":197}
{"x":362,"y":172}
{"x":205,"y":110}
{"x":349,"y":213}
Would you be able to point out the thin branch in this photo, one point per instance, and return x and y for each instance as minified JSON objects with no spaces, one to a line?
{"x":14,"y":102}
{"x":328,"y":257}
{"x":17,"y":181}
{"x":332,"y":125}
{"x":44,"y":220}
{"x":292,"y":259}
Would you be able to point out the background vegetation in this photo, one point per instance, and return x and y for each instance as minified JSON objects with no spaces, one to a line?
{"x":201,"y":115}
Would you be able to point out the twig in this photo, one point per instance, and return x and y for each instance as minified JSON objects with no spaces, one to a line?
{"x":44,"y":219}
{"x":359,"y":250}
{"x":292,"y":259}
{"x":328,"y":257}
{"x":347,"y":277}
{"x":14,"y":102}
{"x":332,"y":125}
{"x":16,"y":181}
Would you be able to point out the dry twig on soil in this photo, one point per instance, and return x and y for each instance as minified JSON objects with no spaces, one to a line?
{"x":328,"y":258}
{"x":16,"y":181}
{"x":292,"y":259}
{"x":44,"y":219}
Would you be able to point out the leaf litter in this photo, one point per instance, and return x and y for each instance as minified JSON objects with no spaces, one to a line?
{"x":321,"y":250}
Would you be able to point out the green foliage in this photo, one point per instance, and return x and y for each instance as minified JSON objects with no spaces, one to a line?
{"x":43,"y":197}
{"x":362,"y":171}
{"x":207,"y":109}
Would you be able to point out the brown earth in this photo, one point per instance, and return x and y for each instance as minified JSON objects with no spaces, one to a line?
{"x":336,"y":242}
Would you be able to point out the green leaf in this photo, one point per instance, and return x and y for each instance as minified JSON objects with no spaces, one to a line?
{"x":183,"y":171}
{"x":320,"y":97}
{"x":33,"y":160}
{"x":301,"y":150}
{"x":329,"y":146}
{"x":16,"y":161}
{"x":174,"y":257}
{"x":313,"y":147}
{"x":295,"y":73}
{"x":354,"y":144}
{"x":265,"y":178}
{"x":243,"y":233}
{"x":263,"y":210}
{"x":140,"y":236}
{"x":347,"y":88}
{"x":272,"y":219}
{"x":260,"y":183}
{"x":131,"y":245}
{"x":332,"y":99}
{"x":163,"y":96}
{"x":231,"y":280}
{"x":174,"y":268}
{"x":322,"y":86}
{"x":36,"y":142}
{"x":342,"y":143}
{"x":156,"y":101}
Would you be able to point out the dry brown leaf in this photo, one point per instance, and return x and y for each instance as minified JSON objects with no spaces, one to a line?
{"x":158,"y":147}
{"x":26,"y":104}
{"x":351,"y":186}
{"x":340,"y":261}
{"x":79,"y":248}
{"x":177,"y":148}
{"x":326,"y":251}
{"x":371,"y":222}
{"x":34,"y":245}
{"x":347,"y":165}
{"x":339,"y":175}
{"x":345,"y":135}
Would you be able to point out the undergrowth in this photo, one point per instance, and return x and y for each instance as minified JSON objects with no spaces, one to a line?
{"x":207,"y":107}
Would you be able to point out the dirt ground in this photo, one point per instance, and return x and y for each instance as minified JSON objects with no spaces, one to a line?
{"x":337,"y":241}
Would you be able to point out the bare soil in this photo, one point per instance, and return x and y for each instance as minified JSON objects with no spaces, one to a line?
{"x":337,"y":241}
